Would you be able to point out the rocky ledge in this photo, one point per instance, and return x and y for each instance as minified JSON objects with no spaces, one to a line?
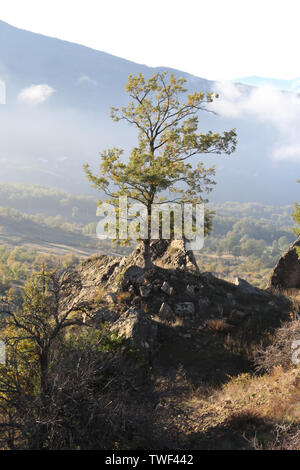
{"x":117,"y":291}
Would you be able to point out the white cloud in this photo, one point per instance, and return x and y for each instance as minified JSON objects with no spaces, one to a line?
{"x":87,"y":79}
{"x":2,"y":92}
{"x":287,"y":152}
{"x":35,"y":94}
{"x":267,"y":105}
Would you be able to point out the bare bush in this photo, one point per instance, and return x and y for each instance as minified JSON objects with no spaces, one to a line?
{"x":66,"y":385}
{"x":279,"y":352}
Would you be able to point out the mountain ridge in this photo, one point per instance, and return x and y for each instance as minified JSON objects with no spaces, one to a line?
{"x":48,"y":142}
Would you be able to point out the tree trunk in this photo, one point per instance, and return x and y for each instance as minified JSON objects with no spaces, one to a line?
{"x":147,"y":255}
{"x":44,"y":394}
{"x":147,"y":242}
{"x":44,"y":375}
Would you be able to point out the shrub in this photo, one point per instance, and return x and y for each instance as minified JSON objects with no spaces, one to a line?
{"x":279,"y":352}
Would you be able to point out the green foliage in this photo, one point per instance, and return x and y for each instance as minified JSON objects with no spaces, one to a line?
{"x":247,"y":240}
{"x":61,"y":386}
{"x":168,"y":136}
{"x":50,"y":202}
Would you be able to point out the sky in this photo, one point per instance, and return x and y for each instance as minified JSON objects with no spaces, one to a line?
{"x":213,"y":39}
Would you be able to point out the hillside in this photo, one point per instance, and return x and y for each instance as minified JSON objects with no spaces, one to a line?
{"x":247,"y":239}
{"x":179,"y":347}
{"x":200,"y":335}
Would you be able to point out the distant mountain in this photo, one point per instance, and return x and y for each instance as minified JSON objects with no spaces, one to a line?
{"x":56,"y":118}
{"x":288,"y":85}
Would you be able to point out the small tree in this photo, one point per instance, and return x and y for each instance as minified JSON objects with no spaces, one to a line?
{"x":32,"y":334}
{"x":63,"y":387}
{"x":168,"y":137}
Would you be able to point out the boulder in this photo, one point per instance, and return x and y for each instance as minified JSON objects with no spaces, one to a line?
{"x":184,"y":309}
{"x":135,"y":275}
{"x":104,"y":315}
{"x":192,"y":290}
{"x":145,"y":290}
{"x":139,"y":327}
{"x":177,"y":256}
{"x":286,"y":274}
{"x":166,"y":288}
{"x":166,"y":313}
{"x":245,"y":286}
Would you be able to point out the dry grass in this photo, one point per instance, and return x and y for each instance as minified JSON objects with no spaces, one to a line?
{"x":123,"y":297}
{"x":217,"y":324}
{"x":246,"y":402}
{"x":100,"y":294}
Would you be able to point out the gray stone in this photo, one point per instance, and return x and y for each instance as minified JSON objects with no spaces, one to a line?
{"x":135,"y":275}
{"x":184,"y":309}
{"x":139,"y":328}
{"x":111,"y":297}
{"x":105,"y":315}
{"x":145,"y":290}
{"x":203,"y":302}
{"x":286,"y":274}
{"x":245,"y":286}
{"x":239,"y":314}
{"x":192,"y":290}
{"x":166,"y":313}
{"x":166,"y":288}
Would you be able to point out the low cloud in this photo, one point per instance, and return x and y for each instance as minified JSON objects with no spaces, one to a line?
{"x":35,"y":94}
{"x":2,"y":92}
{"x":87,"y":79}
{"x":267,"y":105}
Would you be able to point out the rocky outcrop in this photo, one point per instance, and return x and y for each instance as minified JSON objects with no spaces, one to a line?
{"x":113,"y":290}
{"x":139,"y":328}
{"x":246,"y":287}
{"x":109,"y":273}
{"x":286,"y":274}
{"x":172,"y":296}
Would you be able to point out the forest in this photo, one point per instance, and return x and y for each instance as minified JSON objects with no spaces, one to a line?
{"x":246,"y":240}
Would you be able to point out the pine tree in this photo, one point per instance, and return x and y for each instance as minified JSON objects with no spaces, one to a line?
{"x":167,"y":123}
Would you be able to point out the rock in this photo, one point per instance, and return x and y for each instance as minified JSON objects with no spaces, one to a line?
{"x":239,"y":314}
{"x":111,"y":297}
{"x":139,"y":327}
{"x":136,"y":301}
{"x":166,"y":288}
{"x":135,"y":275}
{"x":166,"y":313}
{"x":131,"y":290}
{"x":105,"y":315}
{"x":203,"y":302}
{"x":112,"y":273}
{"x":245,"y":286}
{"x":286,"y":274}
{"x":192,"y":290}
{"x":145,"y":290}
{"x":175,"y":255}
{"x":184,"y":309}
